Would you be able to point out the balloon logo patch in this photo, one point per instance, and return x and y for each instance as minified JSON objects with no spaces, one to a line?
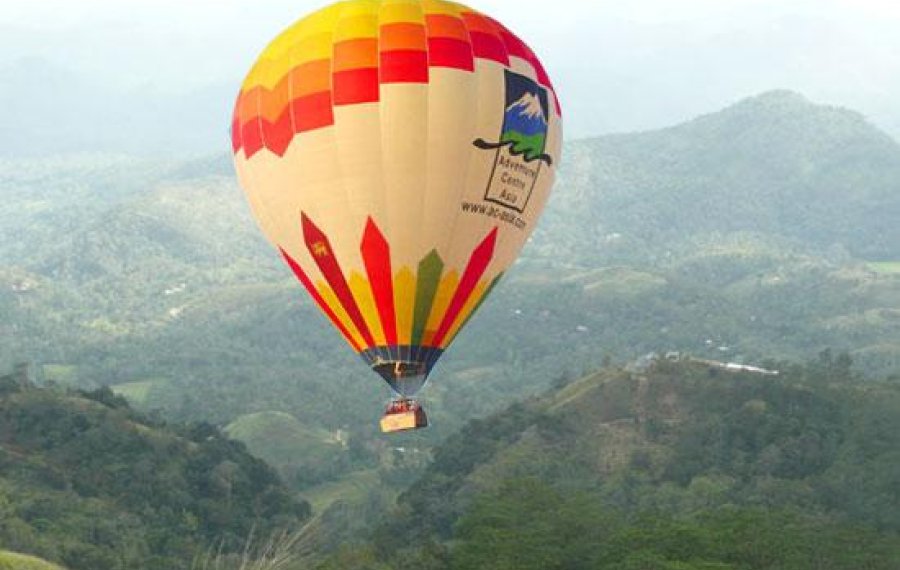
{"x":523,"y":139}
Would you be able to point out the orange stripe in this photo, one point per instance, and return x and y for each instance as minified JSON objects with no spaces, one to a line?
{"x":404,"y":36}
{"x":478,"y":23}
{"x":248,"y":106}
{"x":274,"y":102}
{"x":443,"y":26}
{"x":309,"y":78}
{"x":355,"y":54}
{"x":306,"y":79}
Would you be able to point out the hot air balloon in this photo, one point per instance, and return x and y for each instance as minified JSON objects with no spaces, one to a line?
{"x":398,"y":154}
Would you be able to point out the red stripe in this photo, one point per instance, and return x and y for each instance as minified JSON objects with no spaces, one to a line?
{"x":312,"y":112}
{"x":236,"y":143}
{"x":236,"y":135}
{"x":514,"y":45}
{"x":320,"y":249}
{"x":450,"y":52}
{"x":251,"y":135}
{"x":404,"y":66}
{"x":487,"y":46}
{"x":476,"y":267}
{"x":517,"y":47}
{"x":356,"y":86}
{"x":542,"y":76}
{"x":310,"y":288}
{"x":278,"y":135}
{"x":377,"y":256}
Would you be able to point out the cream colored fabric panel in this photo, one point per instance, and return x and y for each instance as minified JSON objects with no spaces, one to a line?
{"x":404,"y":127}
{"x":360,"y":154}
{"x":460,"y":231}
{"x":306,"y":179}
{"x":452,"y":126}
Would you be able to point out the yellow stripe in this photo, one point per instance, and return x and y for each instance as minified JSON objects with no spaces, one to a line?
{"x":307,"y":40}
{"x":362,"y":292}
{"x":441,"y":7}
{"x":404,"y":304}
{"x":356,"y":27}
{"x":317,"y":23}
{"x":467,"y":309}
{"x":269,"y":71}
{"x":400,"y":12}
{"x":360,"y":8}
{"x":442,"y":299}
{"x":332,"y":301}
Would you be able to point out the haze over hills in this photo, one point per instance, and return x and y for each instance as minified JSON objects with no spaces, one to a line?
{"x":52,"y":110}
{"x":775,"y":165}
{"x":742,"y":235}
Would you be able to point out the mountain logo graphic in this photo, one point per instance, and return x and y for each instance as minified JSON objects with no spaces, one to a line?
{"x":521,"y":145}
{"x":525,"y":121}
{"x":525,"y":128}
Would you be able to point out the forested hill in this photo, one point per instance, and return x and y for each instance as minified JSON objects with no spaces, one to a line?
{"x":88,"y":483}
{"x":776,"y":164}
{"x":677,"y":465}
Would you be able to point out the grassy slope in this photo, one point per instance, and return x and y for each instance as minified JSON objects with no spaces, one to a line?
{"x":136,"y":392}
{"x":352,"y":489}
{"x":13,"y":561}
{"x":280,"y":439}
{"x":887,"y":267}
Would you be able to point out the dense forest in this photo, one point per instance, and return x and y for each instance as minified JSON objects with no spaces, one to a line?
{"x":88,"y":482}
{"x":681,"y":465}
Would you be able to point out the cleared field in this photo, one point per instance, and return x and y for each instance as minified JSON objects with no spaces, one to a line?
{"x":352,"y":488}
{"x":136,"y":392}
{"x":13,"y":561}
{"x":60,"y":373}
{"x":886,"y":267}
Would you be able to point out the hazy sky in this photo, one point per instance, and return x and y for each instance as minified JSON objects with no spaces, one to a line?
{"x":618,"y":65}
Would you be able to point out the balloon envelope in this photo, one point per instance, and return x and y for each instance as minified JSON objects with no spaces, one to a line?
{"x":398,"y":153}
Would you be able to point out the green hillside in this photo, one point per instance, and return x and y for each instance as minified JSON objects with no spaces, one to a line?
{"x":677,"y":465}
{"x":13,"y":561}
{"x":302,"y":455}
{"x":88,"y":483}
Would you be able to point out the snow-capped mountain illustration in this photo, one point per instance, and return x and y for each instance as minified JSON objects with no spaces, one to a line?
{"x":525,"y":126}
{"x":529,"y":106}
{"x":526,"y":116}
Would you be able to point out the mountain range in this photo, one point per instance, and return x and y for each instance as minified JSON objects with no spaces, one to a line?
{"x":759,"y":233}
{"x":748,"y":234}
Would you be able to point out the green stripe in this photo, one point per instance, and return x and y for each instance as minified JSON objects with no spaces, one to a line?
{"x":429,"y":277}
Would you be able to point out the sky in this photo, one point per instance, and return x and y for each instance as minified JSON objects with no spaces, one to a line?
{"x":619,"y":66}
